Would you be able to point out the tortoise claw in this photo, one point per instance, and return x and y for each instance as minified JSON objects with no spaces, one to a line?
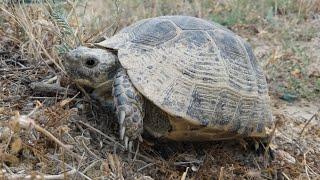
{"x":122,"y":132}
{"x":126,"y":141}
{"x":140,"y":138}
{"x":262,"y":148}
{"x":122,"y":115}
{"x":267,"y":152}
{"x":130,"y":146}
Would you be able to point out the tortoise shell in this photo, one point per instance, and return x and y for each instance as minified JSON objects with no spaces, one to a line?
{"x":197,"y":71}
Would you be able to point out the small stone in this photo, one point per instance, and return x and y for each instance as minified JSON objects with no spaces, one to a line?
{"x":194,"y":168}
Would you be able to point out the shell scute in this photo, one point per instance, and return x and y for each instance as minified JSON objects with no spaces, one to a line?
{"x":153,"y":32}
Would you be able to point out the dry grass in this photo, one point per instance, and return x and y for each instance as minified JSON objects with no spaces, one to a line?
{"x":60,"y":134}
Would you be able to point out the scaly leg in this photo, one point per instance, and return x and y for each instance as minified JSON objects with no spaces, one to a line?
{"x":129,"y":107}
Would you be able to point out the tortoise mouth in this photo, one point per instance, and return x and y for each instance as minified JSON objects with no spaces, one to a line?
{"x":106,"y":84}
{"x":90,"y":86}
{"x":85,"y":84}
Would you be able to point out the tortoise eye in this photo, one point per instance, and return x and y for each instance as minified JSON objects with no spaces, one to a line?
{"x":91,"y":62}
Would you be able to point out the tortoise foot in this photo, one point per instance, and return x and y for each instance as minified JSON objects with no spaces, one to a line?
{"x":262,"y":148}
{"x":129,"y":109}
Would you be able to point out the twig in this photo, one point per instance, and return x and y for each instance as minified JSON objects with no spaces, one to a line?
{"x":315,"y":116}
{"x":16,"y":62}
{"x":312,"y":171}
{"x":304,"y":161}
{"x":4,"y":52}
{"x":114,"y":141}
{"x":80,"y":163}
{"x":9,"y":141}
{"x":184,"y":175}
{"x":7,"y":168}
{"x":45,"y":176}
{"x":221,"y":173}
{"x":17,"y":69}
{"x":143,"y":167}
{"x":51,"y":88}
{"x":137,"y":150}
{"x":256,"y":163}
{"x":13,"y":98}
{"x":27,"y":123}
{"x":90,"y":152}
{"x":67,"y":165}
{"x":284,"y":175}
{"x":189,"y":162}
{"x":91,"y":165}
{"x":48,"y":97}
{"x":101,"y":133}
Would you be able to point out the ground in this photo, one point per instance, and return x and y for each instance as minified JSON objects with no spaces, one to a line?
{"x":49,"y":129}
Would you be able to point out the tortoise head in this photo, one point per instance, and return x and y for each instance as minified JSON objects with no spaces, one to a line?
{"x":91,"y":67}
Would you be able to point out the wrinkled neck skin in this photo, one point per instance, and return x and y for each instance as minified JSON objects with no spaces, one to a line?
{"x":103,"y":93}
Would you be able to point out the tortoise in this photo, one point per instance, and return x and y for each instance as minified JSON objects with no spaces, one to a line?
{"x":177,"y":77}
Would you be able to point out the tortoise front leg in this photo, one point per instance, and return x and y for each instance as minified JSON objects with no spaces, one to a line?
{"x":129,"y":107}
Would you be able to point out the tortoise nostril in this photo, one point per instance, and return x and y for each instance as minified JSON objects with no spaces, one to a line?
{"x":91,"y":62}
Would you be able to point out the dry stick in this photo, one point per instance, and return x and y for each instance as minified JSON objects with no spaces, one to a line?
{"x":114,"y":141}
{"x":118,"y":167}
{"x":9,"y":140}
{"x":111,"y":162}
{"x":13,"y":98}
{"x":101,"y":133}
{"x":80,"y":162}
{"x":50,"y":88}
{"x":143,"y":167}
{"x":17,"y":69}
{"x":48,"y":97}
{"x":91,"y":165}
{"x":221,"y":173}
{"x":5,"y":170}
{"x":45,"y":176}
{"x":286,"y":176}
{"x":304,"y":161}
{"x":67,"y":165}
{"x":26,"y":123}
{"x":89,"y":151}
{"x":4,"y":52}
{"x":135,"y":155}
{"x":184,"y":175}
{"x":315,"y":116}
{"x":188,"y":162}
{"x":312,"y":171}
{"x":256,"y":163}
